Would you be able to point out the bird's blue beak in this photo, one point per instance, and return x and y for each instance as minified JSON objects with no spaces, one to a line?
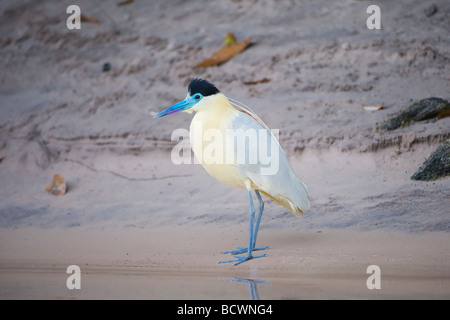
{"x":182,"y":105}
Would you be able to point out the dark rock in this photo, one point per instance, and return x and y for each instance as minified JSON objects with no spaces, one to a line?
{"x":418,"y":111}
{"x":431,"y":10}
{"x":436,"y":166}
{"x":106,"y":67}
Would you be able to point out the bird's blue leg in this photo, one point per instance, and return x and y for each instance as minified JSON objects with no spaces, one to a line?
{"x":258,"y":220}
{"x":255,"y":230}
{"x":251,"y":238}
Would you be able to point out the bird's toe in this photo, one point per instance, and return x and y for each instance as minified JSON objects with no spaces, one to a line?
{"x":241,"y":250}
{"x":241,"y":259}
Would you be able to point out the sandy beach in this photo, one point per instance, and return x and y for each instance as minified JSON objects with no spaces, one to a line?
{"x":141,"y":227}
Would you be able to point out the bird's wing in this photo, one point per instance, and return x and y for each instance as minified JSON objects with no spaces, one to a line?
{"x":245,"y":109}
{"x":271,"y":172}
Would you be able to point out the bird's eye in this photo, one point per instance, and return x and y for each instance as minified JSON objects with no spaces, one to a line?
{"x":197,"y":97}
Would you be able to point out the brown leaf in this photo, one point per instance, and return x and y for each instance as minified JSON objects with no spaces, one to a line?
{"x":125,"y":2}
{"x":224,"y":54}
{"x":90,"y":19}
{"x":58,"y":185}
{"x":251,"y":83}
{"x":443,"y":114}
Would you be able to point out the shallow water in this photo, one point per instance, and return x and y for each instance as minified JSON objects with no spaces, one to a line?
{"x":107,"y":284}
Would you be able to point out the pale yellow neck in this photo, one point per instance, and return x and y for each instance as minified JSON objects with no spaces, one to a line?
{"x":208,"y":132}
{"x":215,"y":112}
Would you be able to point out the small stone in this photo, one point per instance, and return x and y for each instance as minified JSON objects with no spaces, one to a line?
{"x":106,"y":67}
{"x":431,"y":10}
{"x":436,"y":166}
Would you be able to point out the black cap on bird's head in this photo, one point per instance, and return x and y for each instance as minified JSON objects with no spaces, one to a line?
{"x":202,"y":86}
{"x":198,"y":88}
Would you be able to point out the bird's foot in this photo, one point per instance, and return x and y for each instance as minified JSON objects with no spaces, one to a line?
{"x":243,"y":250}
{"x":241,"y":259}
{"x":248,"y":256}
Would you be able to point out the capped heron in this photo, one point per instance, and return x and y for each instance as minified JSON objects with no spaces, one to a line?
{"x":237,"y":148}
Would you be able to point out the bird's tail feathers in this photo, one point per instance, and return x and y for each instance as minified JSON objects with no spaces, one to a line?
{"x":300,"y":205}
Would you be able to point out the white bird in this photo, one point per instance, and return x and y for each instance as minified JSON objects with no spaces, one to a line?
{"x":237,"y":148}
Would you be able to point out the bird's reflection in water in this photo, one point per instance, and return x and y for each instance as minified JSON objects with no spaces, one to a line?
{"x":251,"y":285}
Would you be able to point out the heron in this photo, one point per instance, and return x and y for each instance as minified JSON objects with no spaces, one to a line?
{"x":237,"y":148}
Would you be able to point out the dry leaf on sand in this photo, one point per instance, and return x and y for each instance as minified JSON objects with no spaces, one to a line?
{"x":251,"y":83}
{"x":125,"y":2}
{"x":443,"y":114}
{"x":90,"y":19}
{"x":372,"y":108}
{"x":58,"y":185}
{"x":228,"y":51}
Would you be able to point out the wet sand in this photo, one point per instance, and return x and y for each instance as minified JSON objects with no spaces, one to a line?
{"x":137,"y":264}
